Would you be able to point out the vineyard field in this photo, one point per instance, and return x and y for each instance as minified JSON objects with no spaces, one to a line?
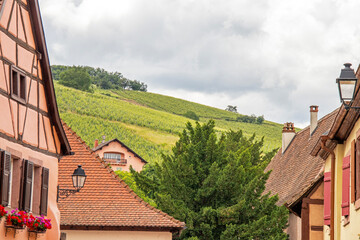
{"x":148,"y":123}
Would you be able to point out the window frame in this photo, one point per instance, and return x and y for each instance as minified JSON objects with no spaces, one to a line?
{"x":122,"y":156}
{"x":21,"y":84}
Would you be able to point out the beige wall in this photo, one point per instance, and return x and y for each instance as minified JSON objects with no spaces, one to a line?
{"x":116,"y":235}
{"x":132,"y":160}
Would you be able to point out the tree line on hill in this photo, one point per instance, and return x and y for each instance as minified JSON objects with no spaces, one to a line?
{"x":244,"y":118}
{"x":86,"y":78}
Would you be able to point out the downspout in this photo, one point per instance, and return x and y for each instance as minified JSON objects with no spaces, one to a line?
{"x":332,"y":194}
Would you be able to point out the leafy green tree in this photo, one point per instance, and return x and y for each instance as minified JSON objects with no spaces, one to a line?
{"x":231,"y":108}
{"x":215,"y":185}
{"x":260,"y":119}
{"x":128,"y":178}
{"x":75,"y":77}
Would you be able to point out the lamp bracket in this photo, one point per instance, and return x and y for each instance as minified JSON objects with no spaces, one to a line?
{"x":348,"y":107}
{"x":63,"y":193}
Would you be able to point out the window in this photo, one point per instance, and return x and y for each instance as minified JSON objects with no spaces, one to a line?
{"x":23,"y":184}
{"x":116,"y":156}
{"x":18,"y":84}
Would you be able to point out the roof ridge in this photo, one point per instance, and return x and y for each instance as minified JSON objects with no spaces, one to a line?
{"x":121,"y":181}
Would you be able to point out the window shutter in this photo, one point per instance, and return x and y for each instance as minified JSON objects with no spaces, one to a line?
{"x":28,"y":176}
{"x":44,"y":191}
{"x":345,"y":186}
{"x":327,"y":198}
{"x":5,"y":160}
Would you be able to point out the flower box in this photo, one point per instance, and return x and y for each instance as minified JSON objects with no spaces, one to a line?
{"x":38,"y":224}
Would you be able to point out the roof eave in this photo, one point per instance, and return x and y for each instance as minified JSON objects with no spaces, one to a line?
{"x":45,"y":65}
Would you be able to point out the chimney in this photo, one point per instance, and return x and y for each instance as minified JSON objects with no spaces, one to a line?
{"x":288,"y":133}
{"x":313,"y":118}
{"x":103,"y":137}
{"x":96,"y":143}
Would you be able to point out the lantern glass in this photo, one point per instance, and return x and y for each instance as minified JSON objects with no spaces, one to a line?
{"x":78,"y":181}
{"x":79,"y":177}
{"x":347,"y":89}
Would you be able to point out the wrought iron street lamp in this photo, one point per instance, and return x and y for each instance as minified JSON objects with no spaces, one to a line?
{"x":347,"y":84}
{"x":78,"y":178}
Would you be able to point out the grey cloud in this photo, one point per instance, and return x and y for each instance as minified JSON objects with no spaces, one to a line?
{"x":281,"y":55}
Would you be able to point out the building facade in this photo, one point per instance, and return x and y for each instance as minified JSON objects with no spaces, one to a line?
{"x":118,"y":155}
{"x":340,"y":149}
{"x":32,"y":139}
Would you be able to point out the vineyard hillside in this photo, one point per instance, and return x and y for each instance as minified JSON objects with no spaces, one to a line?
{"x":148,"y":123}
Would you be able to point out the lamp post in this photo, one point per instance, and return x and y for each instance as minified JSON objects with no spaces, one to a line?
{"x":347,"y":84}
{"x":78,"y":178}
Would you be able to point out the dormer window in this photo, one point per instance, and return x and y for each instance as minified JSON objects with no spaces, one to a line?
{"x":18,"y":84}
{"x":115,"y":157}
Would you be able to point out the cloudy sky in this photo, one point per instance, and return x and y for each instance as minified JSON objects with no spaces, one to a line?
{"x":267,"y":57}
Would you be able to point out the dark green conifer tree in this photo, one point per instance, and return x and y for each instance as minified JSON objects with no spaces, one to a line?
{"x":215,"y":185}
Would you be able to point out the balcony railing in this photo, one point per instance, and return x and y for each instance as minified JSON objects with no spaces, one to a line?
{"x":122,"y":161}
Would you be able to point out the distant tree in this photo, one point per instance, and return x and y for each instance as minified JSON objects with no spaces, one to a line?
{"x":260,"y":119}
{"x":128,"y":178}
{"x":191,"y":115}
{"x":56,"y":70}
{"x":102,"y":78}
{"x":215,"y":185}
{"x":75,"y":77}
{"x":231,"y":108}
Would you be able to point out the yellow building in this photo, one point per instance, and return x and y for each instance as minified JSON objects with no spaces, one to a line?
{"x":340,"y":148}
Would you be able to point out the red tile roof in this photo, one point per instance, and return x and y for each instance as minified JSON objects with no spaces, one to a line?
{"x":105,"y":201}
{"x":296,"y":171}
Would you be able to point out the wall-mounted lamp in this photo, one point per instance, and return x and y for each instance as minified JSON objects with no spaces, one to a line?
{"x":78,"y":179}
{"x":347,"y":84}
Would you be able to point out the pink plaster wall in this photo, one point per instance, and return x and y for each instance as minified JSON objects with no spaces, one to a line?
{"x":132,"y":160}
{"x":52,"y":164}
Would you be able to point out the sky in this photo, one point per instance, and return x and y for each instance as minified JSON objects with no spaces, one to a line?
{"x":267,"y":57}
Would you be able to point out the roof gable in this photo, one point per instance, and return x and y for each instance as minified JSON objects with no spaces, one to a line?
{"x":23,"y":48}
{"x":116,"y":206}
{"x":296,"y":171}
{"x":104,"y":144}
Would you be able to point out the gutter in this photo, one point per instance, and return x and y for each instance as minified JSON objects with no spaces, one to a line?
{"x":332,"y":198}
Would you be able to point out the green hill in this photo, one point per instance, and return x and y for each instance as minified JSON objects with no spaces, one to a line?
{"x":148,"y":123}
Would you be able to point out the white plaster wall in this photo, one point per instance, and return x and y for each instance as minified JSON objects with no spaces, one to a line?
{"x":294,"y":228}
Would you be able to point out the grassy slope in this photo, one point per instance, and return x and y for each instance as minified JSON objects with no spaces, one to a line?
{"x":148,"y":123}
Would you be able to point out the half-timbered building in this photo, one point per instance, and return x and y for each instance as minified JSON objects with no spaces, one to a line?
{"x":340,"y":149}
{"x":32,"y":139}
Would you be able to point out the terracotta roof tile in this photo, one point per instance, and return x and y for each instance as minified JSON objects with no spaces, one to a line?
{"x":105,"y":200}
{"x":295,"y":171}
